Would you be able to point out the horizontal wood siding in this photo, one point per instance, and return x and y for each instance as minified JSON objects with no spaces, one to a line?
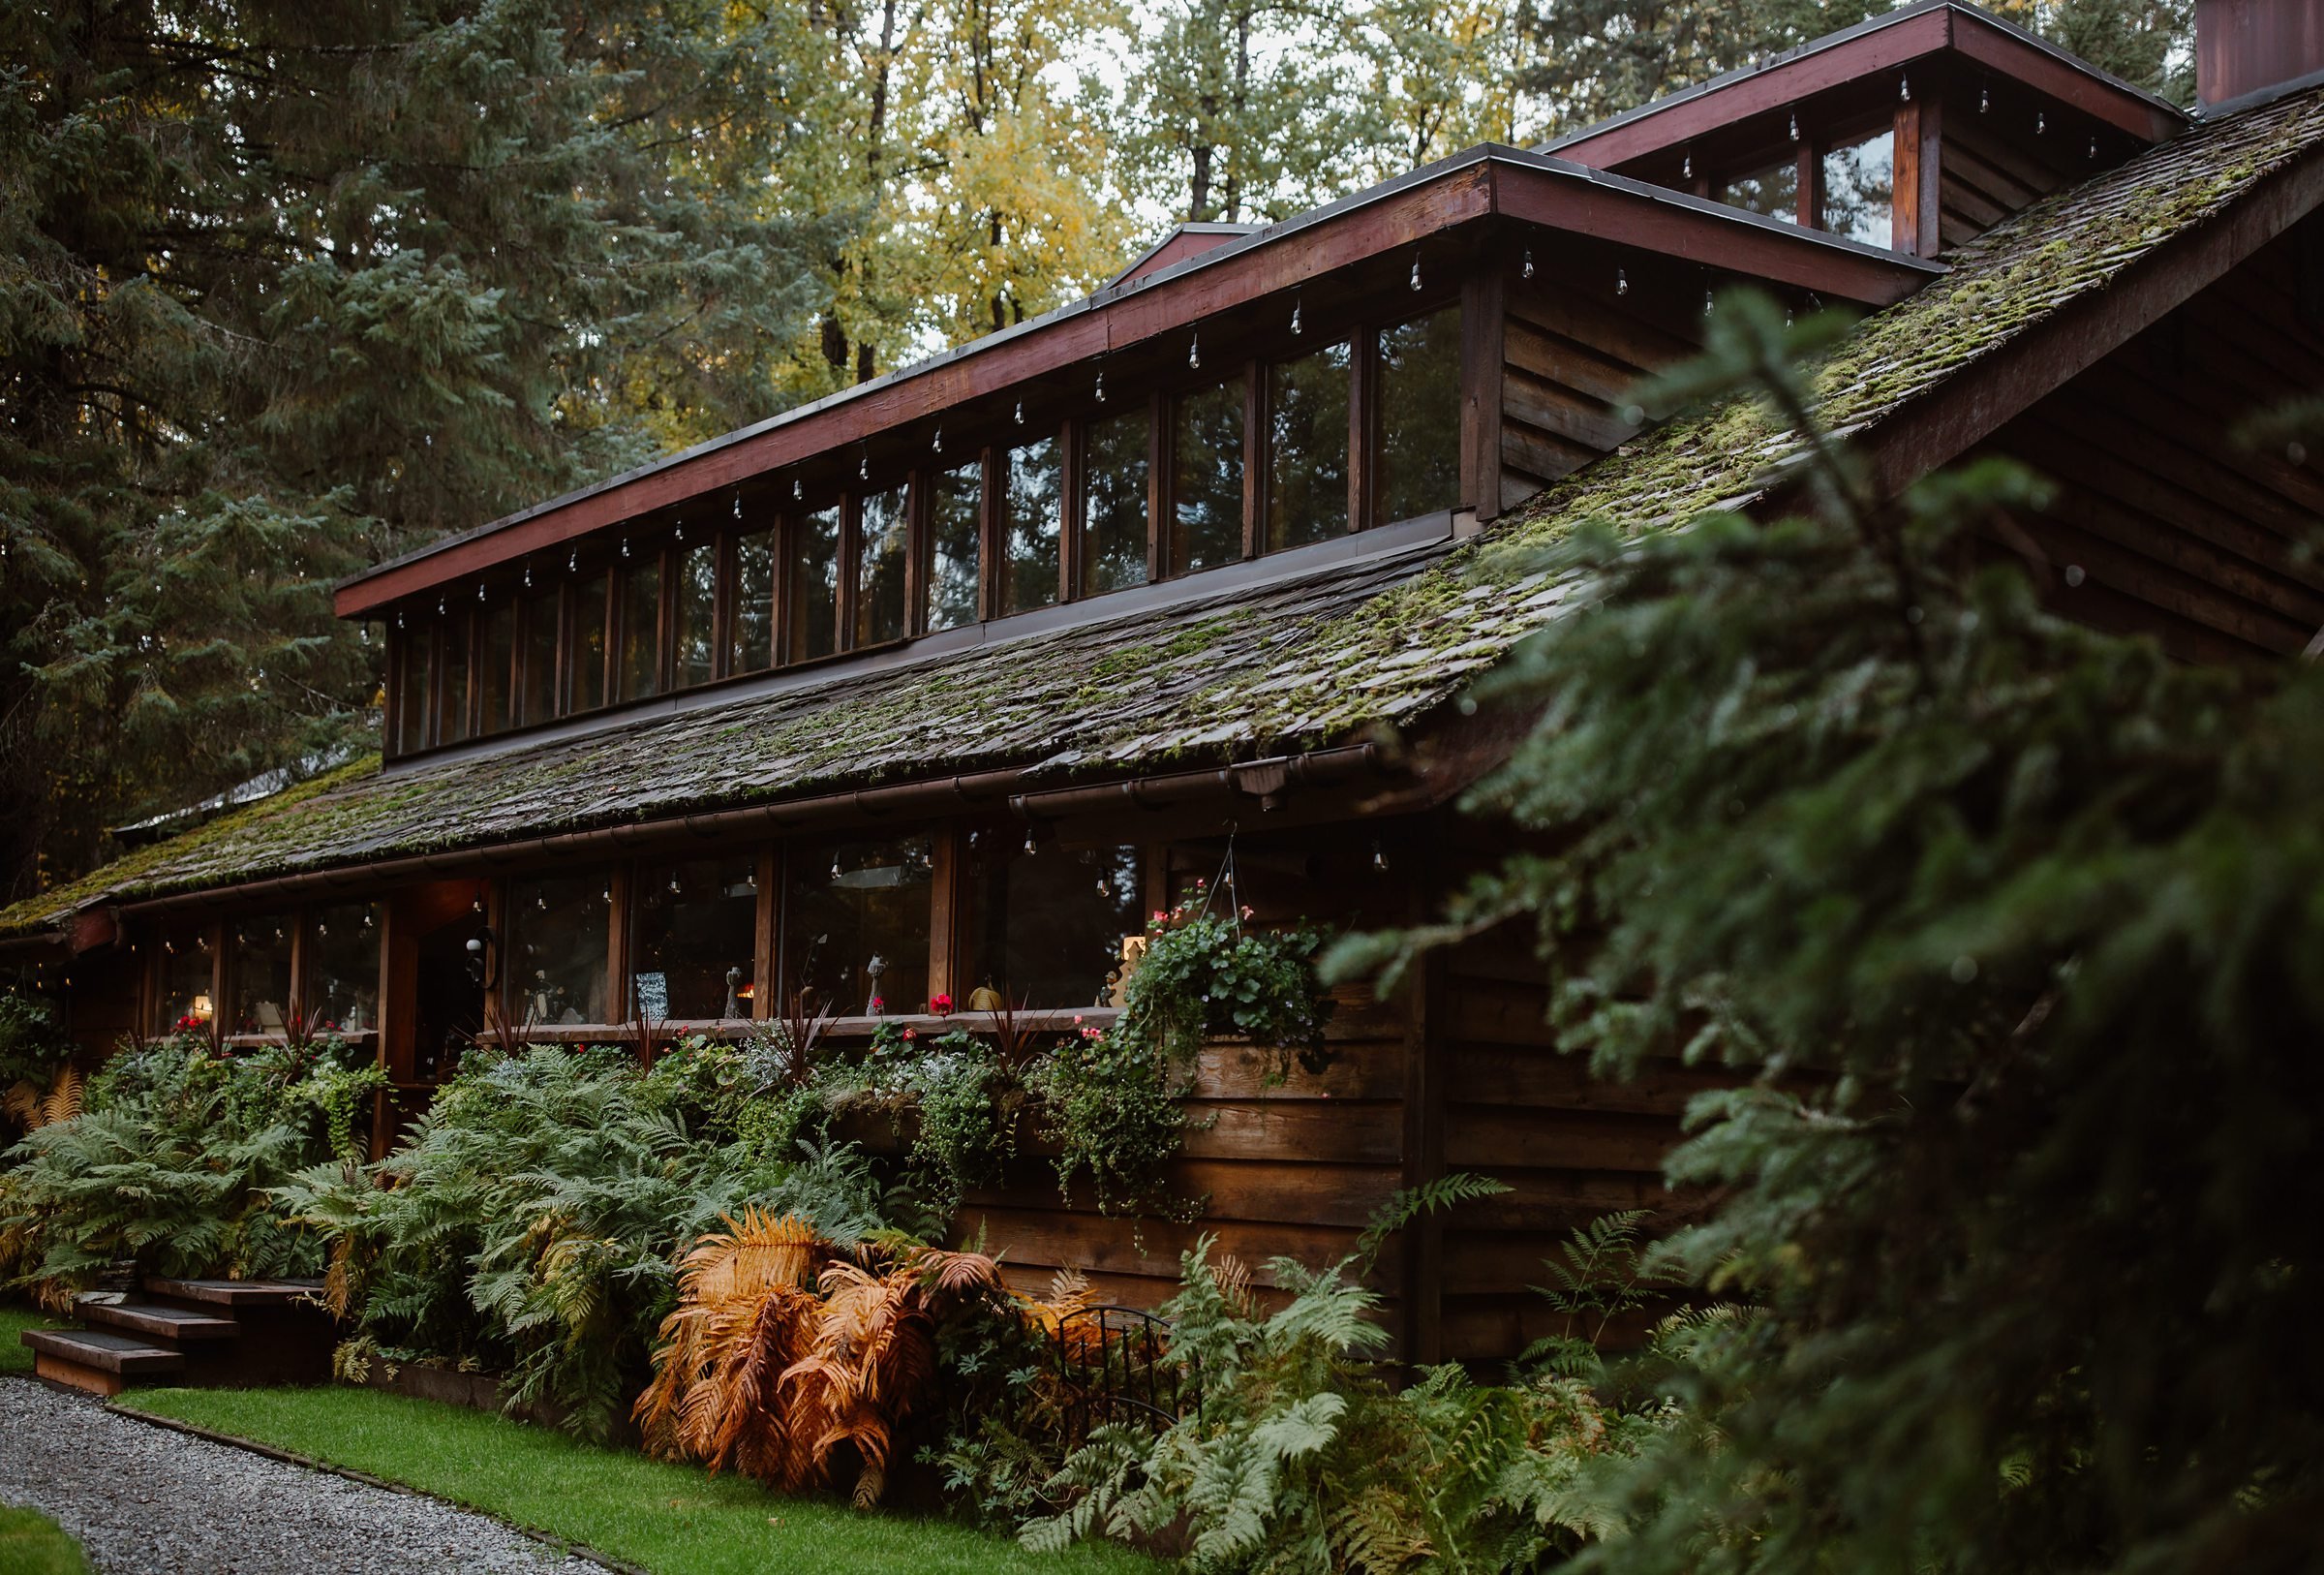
{"x":2164,"y":523}
{"x":1571,"y":358}
{"x":1570,"y":1146}
{"x":1990,"y":165}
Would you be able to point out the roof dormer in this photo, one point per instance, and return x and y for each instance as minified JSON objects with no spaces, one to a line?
{"x":1917,"y":130}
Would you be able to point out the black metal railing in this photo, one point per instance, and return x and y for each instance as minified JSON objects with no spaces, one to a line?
{"x":1113,"y":1365}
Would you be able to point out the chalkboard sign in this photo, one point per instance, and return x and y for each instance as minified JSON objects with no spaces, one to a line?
{"x":653,"y":996}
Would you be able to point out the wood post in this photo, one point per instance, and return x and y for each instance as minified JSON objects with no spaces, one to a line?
{"x":1483,"y":303}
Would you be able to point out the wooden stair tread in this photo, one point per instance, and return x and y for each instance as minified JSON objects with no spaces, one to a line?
{"x":235,"y":1292}
{"x":103,"y":1351}
{"x":168,"y":1323}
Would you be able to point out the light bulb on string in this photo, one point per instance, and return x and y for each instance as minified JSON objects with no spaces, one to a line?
{"x":1294,"y":318}
{"x":798,"y":489}
{"x":738,"y":506}
{"x":625,"y":546}
{"x":1795,"y":129}
{"x":1526,"y":270}
{"x":441,"y":609}
{"x":1415,"y":270}
{"x":1194,"y":352}
{"x":937,"y":445}
{"x":528,"y":575}
{"x":1029,"y":842}
{"x":2041,"y":124}
{"x":479,"y":590}
{"x":1686,"y":165}
{"x":1020,"y":413}
{"x":1621,"y":282}
{"x":1101,"y":384}
{"x":863,"y":466}
{"x":1904,"y":90}
{"x":1379,"y":860}
{"x":2094,"y":147}
{"x":678,"y":533}
{"x":1984,"y":99}
{"x":572,"y":562}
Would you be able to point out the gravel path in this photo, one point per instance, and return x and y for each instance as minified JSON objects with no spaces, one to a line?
{"x":145,"y":1500}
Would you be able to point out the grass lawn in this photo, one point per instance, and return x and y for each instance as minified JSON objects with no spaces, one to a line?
{"x":31,"y":1544}
{"x":673,"y":1520}
{"x":15,"y":1355}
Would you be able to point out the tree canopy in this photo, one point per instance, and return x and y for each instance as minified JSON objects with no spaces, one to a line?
{"x":289,"y":289}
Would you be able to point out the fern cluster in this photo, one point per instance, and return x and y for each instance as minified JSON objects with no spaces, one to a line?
{"x":1302,"y":1456}
{"x":172,"y":1160}
{"x":533,"y":1222}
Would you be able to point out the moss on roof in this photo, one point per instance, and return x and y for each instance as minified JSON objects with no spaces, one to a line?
{"x":1293,"y":665}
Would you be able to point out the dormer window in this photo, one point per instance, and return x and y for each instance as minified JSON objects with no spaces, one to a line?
{"x":1858,"y":188}
{"x":1350,"y":425}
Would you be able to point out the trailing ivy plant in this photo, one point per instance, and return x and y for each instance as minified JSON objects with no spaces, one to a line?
{"x":1209,"y":975}
{"x":1112,"y":1099}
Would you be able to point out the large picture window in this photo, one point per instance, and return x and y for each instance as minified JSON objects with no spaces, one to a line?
{"x":451,"y":695}
{"x":1418,"y":437}
{"x":1044,"y":928}
{"x":540,"y":657}
{"x":855,"y":924}
{"x":694,"y":942}
{"x":1859,"y":189}
{"x":882,"y":543}
{"x":498,"y":680}
{"x":343,"y":966}
{"x":751,"y":631}
{"x":641,"y":630}
{"x":185,"y":980}
{"x":1114,"y":463}
{"x":1036,"y":513}
{"x":1307,"y":448}
{"x":263,"y":988}
{"x":693,"y":606}
{"x":411,"y":690}
{"x":589,"y":643}
{"x":813,"y":616}
{"x":1205,"y":526}
{"x":956,"y":546}
{"x":556,"y":958}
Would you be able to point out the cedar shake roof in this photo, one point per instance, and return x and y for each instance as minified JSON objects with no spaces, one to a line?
{"x":1289,"y":665}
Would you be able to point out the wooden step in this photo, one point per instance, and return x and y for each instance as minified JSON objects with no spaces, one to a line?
{"x":97,"y":1360}
{"x":175,"y":1324}
{"x":235,"y":1292}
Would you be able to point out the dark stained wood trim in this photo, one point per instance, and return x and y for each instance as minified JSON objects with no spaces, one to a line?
{"x":1254,"y":459}
{"x":993,"y":535}
{"x":851,"y":545}
{"x":1483,"y":294}
{"x":722,"y":604}
{"x":623,"y":883}
{"x":945,"y":895}
{"x":1158,"y":485}
{"x":1975,"y":401}
{"x":1363,"y":387}
{"x":1072,"y":440}
{"x":919,"y":549}
{"x":1807,"y":182}
{"x":762,"y":945}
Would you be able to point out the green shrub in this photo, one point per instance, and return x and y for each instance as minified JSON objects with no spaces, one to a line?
{"x":531,"y":1223}
{"x":172,"y":1161}
{"x":1304,"y":1456}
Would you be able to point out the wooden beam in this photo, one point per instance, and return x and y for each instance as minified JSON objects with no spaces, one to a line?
{"x":1364,"y":387}
{"x":1483,"y":320}
{"x":992,"y":533}
{"x":623,"y":884}
{"x":1069,"y":509}
{"x":1254,"y":459}
{"x":1158,"y":501}
{"x":850,"y":549}
{"x":768,"y":877}
{"x":945,"y":898}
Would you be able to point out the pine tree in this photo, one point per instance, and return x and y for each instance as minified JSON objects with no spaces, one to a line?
{"x":2008,"y":930}
{"x":292,"y":288}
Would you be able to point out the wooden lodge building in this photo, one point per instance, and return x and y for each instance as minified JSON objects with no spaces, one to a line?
{"x":970,"y":668}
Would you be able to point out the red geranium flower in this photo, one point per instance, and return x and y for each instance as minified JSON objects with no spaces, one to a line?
{"x":939,"y":1004}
